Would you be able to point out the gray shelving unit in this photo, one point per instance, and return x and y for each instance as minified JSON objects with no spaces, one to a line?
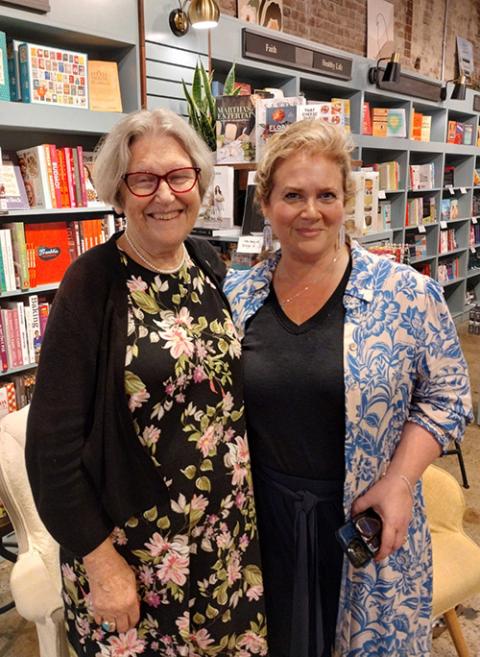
{"x":226,"y":48}
{"x":106,"y":30}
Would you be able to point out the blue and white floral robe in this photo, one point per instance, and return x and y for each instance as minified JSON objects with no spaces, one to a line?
{"x":402,"y":362}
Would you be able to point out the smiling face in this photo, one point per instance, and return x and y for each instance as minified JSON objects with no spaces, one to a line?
{"x":159,"y":223}
{"x":306,"y":206}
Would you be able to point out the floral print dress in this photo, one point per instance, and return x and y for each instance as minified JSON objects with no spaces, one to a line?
{"x":196,"y":560}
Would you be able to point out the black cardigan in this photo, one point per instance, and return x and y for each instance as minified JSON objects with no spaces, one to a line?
{"x":87,"y":468}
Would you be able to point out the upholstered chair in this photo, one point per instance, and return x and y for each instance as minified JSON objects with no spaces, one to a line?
{"x":35,"y":578}
{"x":456,"y":557}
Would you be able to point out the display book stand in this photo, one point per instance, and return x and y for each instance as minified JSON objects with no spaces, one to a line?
{"x":23,"y":125}
{"x":227,"y":48}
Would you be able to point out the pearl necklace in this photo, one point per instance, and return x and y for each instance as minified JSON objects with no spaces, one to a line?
{"x":150,"y":264}
{"x":288,"y":300}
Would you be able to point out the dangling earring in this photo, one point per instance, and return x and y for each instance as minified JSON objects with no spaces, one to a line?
{"x":267,"y":237}
{"x":341,"y":237}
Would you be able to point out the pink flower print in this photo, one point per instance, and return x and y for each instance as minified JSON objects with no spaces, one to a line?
{"x":83,"y":626}
{"x":240,"y":500}
{"x":201,"y":349}
{"x":255,"y":592}
{"x":169,"y":389}
{"x":178,"y":341}
{"x":183,"y":318}
{"x":68,"y":573}
{"x":118,"y":536}
{"x":146,"y":575}
{"x":152,"y":598}
{"x":233,"y":569}
{"x":254,"y":643}
{"x":180,"y":398}
{"x":150,"y":435}
{"x":224,"y":540}
{"x":244,"y":542}
{"x":136,"y":284}
{"x":243,"y":453}
{"x":126,"y":644}
{"x":157,"y":545}
{"x":239,"y":474}
{"x":174,"y":568}
{"x":198,"y":503}
{"x":137,"y":399}
{"x":208,"y":441}
{"x":183,"y":622}
{"x":227,"y":402}
{"x":199,"y":374}
{"x":202,"y":638}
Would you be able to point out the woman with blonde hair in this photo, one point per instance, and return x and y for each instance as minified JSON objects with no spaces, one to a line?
{"x":136,"y":447}
{"x":354,"y":383}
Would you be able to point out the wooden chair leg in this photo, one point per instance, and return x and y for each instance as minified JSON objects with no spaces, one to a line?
{"x":451,"y":619}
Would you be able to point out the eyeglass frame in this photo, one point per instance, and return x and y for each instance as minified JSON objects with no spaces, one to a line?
{"x":161,"y":177}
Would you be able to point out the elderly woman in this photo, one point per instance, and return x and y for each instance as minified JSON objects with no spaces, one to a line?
{"x":138,"y":458}
{"x":354,"y":383}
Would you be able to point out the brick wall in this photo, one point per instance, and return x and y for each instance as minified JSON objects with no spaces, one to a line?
{"x":419,"y":27}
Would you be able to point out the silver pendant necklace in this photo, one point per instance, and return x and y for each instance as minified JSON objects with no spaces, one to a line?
{"x":307,"y":287}
{"x":150,"y":264}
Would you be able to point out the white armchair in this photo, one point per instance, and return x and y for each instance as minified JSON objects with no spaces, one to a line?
{"x":35,"y":579}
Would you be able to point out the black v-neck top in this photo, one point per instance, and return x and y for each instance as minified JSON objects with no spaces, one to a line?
{"x":294,"y":388}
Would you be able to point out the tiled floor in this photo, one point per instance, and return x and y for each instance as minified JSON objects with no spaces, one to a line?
{"x":18,"y":638}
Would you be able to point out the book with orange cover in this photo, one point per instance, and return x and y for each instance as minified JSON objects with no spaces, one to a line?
{"x":62,"y":173}
{"x":70,"y":174}
{"x":104,"y":86}
{"x":50,"y":243}
{"x":417,"y":126}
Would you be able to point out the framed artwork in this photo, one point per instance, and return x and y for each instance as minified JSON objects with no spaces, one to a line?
{"x":267,"y":13}
{"x":380,"y":27}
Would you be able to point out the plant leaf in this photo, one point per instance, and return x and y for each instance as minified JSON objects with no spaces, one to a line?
{"x":228,"y":88}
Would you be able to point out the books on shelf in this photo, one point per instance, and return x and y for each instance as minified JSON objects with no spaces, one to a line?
{"x":8,"y":400}
{"x":50,"y":244}
{"x":53,"y":76}
{"x":11,"y":177}
{"x":235,"y":129}
{"x":263,"y":129}
{"x":389,"y":175}
{"x":57,"y":177}
{"x":216,"y":211}
{"x":362,"y":217}
{"x":396,"y":122}
{"x":384,"y":215}
{"x":4,"y":77}
{"x":14,"y":69}
{"x":447,"y":240}
{"x":422,"y":176}
{"x":448,"y":270}
{"x":459,"y":133}
{"x":104,"y":86}
{"x":336,"y":111}
{"x":421,"y":126}
{"x":416,"y":244}
{"x":420,"y":211}
{"x":366,"y":119}
{"x":253,"y":221}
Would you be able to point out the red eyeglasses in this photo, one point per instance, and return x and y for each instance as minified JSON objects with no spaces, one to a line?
{"x":144,"y":183}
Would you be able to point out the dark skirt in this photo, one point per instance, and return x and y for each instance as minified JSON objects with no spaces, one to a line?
{"x":302,"y":560}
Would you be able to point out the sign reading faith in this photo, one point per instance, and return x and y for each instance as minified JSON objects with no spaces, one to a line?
{"x":277,"y":51}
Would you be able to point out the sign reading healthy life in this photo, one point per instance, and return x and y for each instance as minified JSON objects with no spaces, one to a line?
{"x":278,"y":51}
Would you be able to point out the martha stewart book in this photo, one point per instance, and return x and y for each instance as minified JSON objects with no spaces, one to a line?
{"x":235,"y":129}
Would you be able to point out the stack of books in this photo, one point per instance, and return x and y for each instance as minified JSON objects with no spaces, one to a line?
{"x":389,"y":175}
{"x":422,"y":176}
{"x":447,"y":241}
{"x":460,"y":133}
{"x":420,"y":211}
{"x":421,"y":126}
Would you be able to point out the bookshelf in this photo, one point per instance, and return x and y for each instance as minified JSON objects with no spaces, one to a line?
{"x":105,"y":31}
{"x":227,"y":48}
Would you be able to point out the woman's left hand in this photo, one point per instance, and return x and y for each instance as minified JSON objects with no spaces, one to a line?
{"x":391,"y":499}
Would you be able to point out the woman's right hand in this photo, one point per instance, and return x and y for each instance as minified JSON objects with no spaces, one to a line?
{"x":113,"y":589}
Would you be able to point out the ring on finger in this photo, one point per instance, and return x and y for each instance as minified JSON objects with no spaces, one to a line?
{"x":108,"y":626}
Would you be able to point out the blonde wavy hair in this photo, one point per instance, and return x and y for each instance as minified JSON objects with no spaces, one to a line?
{"x":312,"y":137}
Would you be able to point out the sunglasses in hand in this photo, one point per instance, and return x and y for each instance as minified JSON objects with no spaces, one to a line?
{"x":360,"y":537}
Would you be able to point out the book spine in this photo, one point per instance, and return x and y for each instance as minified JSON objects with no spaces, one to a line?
{"x":29,"y":329}
{"x":20,"y":255}
{"x":43,"y":311}
{"x":36,"y":329}
{"x":62,"y":172}
{"x":24,"y":66}
{"x":55,"y":175}
{"x":81,"y":171}
{"x":70,"y":176}
{"x":3,"y":348}
{"x":3,"y":282}
{"x":13,"y":70}
{"x":7,"y":257}
{"x":49,"y":174}
{"x":76,"y":179}
{"x":72,"y":248}
{"x":19,"y":309}
{"x":14,"y":330}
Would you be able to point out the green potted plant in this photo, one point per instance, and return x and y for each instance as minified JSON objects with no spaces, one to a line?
{"x":202,"y":106}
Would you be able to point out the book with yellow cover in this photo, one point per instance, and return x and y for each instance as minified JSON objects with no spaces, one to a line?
{"x":104,"y":86}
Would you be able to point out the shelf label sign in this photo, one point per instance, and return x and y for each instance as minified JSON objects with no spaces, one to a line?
{"x":422,"y":229}
{"x":443,"y":225}
{"x":463,"y":190}
{"x":474,"y":220}
{"x":277,"y":51}
{"x":250,"y":244}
